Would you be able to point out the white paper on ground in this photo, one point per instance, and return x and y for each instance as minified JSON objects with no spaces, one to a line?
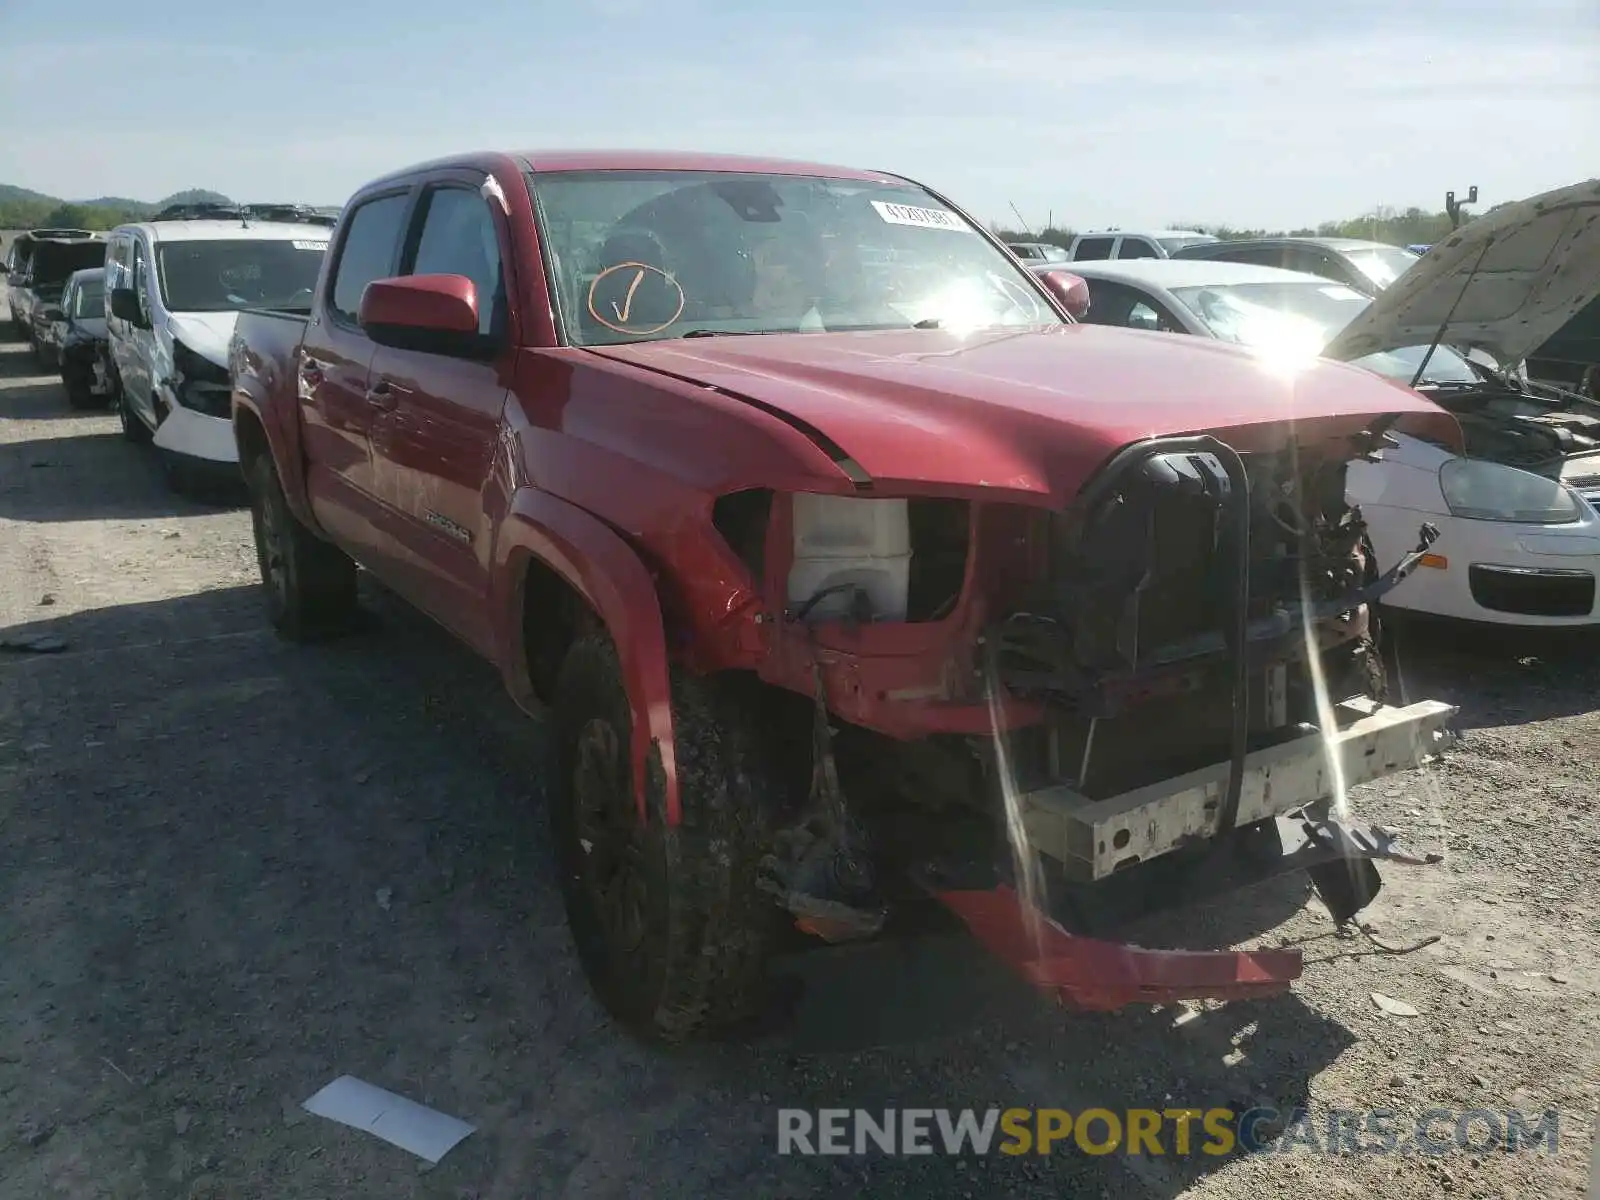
{"x":425,"y":1132}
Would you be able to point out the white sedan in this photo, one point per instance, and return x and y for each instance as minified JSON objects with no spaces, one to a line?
{"x":1519,"y":513}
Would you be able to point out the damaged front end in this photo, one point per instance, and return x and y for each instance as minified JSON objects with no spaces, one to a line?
{"x":1207,"y":649}
{"x":1157,"y":695}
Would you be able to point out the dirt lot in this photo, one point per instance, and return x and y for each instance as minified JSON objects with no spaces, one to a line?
{"x":231,"y":870}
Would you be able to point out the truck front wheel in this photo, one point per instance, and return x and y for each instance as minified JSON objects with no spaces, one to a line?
{"x":310,"y":584}
{"x":667,"y":920}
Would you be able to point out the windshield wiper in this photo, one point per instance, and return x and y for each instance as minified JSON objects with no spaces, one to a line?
{"x":700,"y":333}
{"x":926,"y":323}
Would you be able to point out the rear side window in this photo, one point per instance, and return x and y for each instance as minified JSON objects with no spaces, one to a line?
{"x":459,"y":238}
{"x":1091,"y":248}
{"x":1137,"y":248}
{"x":368,"y":251}
{"x":1255,"y":256}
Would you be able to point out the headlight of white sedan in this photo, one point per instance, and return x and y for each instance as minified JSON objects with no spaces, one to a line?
{"x":1486,"y":491}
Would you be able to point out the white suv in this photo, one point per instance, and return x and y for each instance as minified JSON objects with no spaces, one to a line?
{"x":173,"y":291}
{"x":1133,"y":243}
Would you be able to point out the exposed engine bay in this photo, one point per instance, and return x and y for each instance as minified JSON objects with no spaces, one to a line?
{"x":1534,"y":427}
{"x":1182,"y":596}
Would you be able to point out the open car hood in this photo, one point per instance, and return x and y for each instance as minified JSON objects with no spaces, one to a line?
{"x":1507,"y":282}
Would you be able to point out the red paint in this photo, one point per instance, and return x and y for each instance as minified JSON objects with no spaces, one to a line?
{"x":1072,"y":290}
{"x":449,"y":476}
{"x":1096,"y":976}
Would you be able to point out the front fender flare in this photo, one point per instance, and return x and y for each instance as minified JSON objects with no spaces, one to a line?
{"x":602,"y":568}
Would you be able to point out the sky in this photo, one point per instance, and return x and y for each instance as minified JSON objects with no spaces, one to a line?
{"x":1255,"y":113}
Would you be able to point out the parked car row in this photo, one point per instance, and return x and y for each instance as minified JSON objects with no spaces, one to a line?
{"x":38,"y":266}
{"x":140,"y":317}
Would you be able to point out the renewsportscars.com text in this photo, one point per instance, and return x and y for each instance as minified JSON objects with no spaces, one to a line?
{"x":1178,"y":1132}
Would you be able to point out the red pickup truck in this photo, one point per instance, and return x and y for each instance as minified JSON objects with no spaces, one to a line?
{"x":859,"y":578}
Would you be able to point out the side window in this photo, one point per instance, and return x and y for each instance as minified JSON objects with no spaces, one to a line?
{"x":368,"y":251}
{"x":459,"y":238}
{"x":1108,"y":303}
{"x":1093,"y":248}
{"x":1312,"y":262}
{"x":1142,"y":316}
{"x":141,"y":279}
{"x":1257,"y":256}
{"x":1136,"y":247}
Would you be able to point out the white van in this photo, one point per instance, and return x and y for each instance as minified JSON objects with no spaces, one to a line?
{"x":173,"y":291}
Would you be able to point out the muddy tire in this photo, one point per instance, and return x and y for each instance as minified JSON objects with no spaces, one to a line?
{"x":310,"y":584}
{"x":668,"y":922}
{"x":79,"y":396}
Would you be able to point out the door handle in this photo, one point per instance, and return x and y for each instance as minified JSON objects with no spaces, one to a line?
{"x":381,"y":396}
{"x":311,"y":371}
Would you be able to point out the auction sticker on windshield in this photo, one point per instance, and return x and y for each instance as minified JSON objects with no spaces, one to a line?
{"x":309,"y":245}
{"x":924,"y":218}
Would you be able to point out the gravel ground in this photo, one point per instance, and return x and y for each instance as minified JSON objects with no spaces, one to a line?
{"x":232,"y":870}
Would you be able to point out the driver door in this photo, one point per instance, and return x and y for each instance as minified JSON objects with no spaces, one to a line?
{"x":137,"y":367}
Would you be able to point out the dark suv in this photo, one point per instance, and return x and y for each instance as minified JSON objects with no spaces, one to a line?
{"x":1368,"y":267}
{"x":39,"y":264}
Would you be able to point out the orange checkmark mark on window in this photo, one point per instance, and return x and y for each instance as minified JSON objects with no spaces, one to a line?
{"x":622,"y":310}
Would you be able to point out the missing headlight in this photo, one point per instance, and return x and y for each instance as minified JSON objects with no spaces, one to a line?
{"x":200,"y":384}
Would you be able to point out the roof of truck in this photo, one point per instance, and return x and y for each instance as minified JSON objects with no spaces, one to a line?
{"x":230,"y":230}
{"x":684,"y":160}
{"x":544,"y":161}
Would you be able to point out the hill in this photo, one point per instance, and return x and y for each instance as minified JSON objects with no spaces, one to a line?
{"x":21,"y":208}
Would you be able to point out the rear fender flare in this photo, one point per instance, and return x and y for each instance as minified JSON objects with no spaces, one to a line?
{"x":283,"y":444}
{"x":602,"y":568}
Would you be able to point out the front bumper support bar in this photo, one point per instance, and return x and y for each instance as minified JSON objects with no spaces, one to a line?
{"x":1095,"y":839}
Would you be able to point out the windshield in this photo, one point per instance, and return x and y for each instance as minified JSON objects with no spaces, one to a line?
{"x":1381,"y":264}
{"x":89,"y":301}
{"x":223,"y":276}
{"x":1173,"y":244}
{"x":1301,"y":316}
{"x":639,"y":255}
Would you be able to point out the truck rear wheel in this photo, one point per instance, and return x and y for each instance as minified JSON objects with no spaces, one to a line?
{"x":668,"y":922}
{"x":310,"y":584}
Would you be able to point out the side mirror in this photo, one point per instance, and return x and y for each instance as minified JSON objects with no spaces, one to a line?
{"x":1072,"y":290}
{"x":125,"y":306}
{"x":437,"y":314}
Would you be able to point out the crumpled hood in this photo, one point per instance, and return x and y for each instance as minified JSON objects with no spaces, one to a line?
{"x":1035,"y":410}
{"x":207,"y":334}
{"x":1513,"y":278}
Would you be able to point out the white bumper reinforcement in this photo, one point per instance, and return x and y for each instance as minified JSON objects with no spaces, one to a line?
{"x":1096,"y":838}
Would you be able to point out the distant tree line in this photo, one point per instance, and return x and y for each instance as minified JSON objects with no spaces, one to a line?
{"x":22,"y":209}
{"x":1398,"y":227}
